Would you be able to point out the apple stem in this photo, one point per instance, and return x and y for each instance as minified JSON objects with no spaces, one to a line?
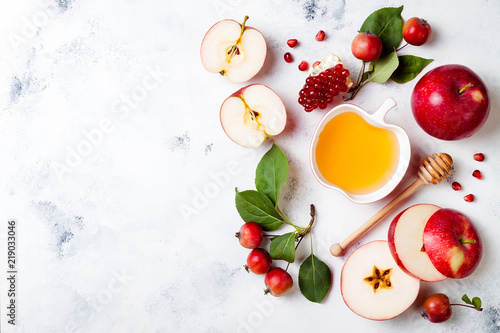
{"x":469,"y":306}
{"x":402,"y":47}
{"x":467,"y":86}
{"x":469,"y":241}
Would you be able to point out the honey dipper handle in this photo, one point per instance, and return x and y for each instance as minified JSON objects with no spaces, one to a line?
{"x":337,"y":249}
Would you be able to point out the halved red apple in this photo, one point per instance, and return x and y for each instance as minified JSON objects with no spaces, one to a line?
{"x":406,"y":242}
{"x":253,"y":114}
{"x":372,"y":284}
{"x":233,"y":50}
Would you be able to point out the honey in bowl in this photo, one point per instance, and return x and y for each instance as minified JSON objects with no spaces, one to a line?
{"x":355,"y":155}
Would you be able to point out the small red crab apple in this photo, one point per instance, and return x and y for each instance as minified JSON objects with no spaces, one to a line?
{"x":437,"y":308}
{"x":278,"y":282}
{"x":259,"y":261}
{"x":366,"y":46}
{"x":416,"y":31}
{"x":250,"y":235}
{"x":325,"y":81}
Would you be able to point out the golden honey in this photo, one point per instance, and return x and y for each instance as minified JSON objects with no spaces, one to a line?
{"x":358,"y":157}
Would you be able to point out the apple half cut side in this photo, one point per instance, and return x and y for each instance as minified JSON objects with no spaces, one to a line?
{"x":372,"y":284}
{"x":452,"y":243}
{"x":233,"y":50}
{"x":253,"y":114}
{"x":406,"y":242}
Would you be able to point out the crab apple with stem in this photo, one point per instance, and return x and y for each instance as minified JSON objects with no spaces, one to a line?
{"x":416,"y":31}
{"x":233,"y":50}
{"x":259,"y":261}
{"x":278,"y":282}
{"x":366,"y":46}
{"x":250,"y":235}
{"x":437,"y":308}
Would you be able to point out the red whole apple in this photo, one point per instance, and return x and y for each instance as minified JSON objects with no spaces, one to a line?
{"x":450,"y":102}
{"x":452,"y":243}
{"x":416,"y":31}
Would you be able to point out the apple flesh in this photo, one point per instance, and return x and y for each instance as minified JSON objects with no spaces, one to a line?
{"x":452,"y":243}
{"x":253,"y":114}
{"x":233,"y":50}
{"x":450,"y":102}
{"x":372,"y":284}
{"x":406,"y":242}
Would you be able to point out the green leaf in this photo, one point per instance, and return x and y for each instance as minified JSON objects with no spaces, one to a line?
{"x":476,"y":301}
{"x":466,"y":299}
{"x":283,"y":247}
{"x":254,"y":206}
{"x":409,"y":67}
{"x":315,"y":279}
{"x":271,"y":173}
{"x":381,"y":69}
{"x":387,"y":23}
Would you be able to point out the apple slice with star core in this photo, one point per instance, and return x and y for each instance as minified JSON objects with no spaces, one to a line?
{"x":406,"y":242}
{"x":233,"y":50}
{"x":253,"y":114}
{"x":372,"y":284}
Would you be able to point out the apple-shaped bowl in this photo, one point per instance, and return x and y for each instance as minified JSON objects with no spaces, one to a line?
{"x":376,"y":120}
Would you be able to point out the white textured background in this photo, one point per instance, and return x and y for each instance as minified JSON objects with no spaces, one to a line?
{"x":103,"y":245}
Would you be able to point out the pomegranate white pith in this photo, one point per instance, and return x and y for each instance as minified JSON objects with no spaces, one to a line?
{"x":252,"y":115}
{"x":395,"y":293}
{"x":406,"y":242}
{"x":236,"y":51}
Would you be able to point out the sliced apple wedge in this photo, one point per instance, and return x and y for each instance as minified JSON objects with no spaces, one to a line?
{"x":372,"y":284}
{"x":233,"y":50}
{"x":406,"y":242}
{"x":253,"y":114}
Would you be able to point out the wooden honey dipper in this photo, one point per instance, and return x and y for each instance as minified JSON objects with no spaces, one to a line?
{"x":433,"y":170}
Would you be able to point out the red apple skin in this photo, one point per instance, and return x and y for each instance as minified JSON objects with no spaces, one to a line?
{"x":392,"y":247}
{"x":447,"y":241}
{"x":416,"y":31}
{"x":444,"y":113}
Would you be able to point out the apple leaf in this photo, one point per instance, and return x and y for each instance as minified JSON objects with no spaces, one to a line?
{"x":466,"y":299}
{"x":283,"y":247}
{"x":315,"y":279}
{"x":476,"y":301}
{"x":409,"y":67}
{"x":254,"y":206}
{"x":387,"y":23}
{"x":381,"y":69}
{"x":271,"y":173}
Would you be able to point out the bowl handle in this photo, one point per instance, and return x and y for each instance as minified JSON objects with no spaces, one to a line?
{"x":382,"y":110}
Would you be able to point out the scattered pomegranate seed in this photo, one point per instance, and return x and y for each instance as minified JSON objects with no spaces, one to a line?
{"x":477,"y":174}
{"x":303,"y":66}
{"x":456,"y":186}
{"x":469,"y":198}
{"x":316,"y":63}
{"x":321,"y":89}
{"x":292,"y":42}
{"x":479,"y":157}
{"x":288,"y":57}
{"x":320,"y":36}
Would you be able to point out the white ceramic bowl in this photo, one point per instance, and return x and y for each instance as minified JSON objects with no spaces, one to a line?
{"x":376,"y":119}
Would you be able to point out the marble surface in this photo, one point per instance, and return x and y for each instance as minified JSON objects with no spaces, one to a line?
{"x":115,"y":166}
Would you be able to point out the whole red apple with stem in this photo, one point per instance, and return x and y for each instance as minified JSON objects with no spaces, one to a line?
{"x":437,"y":307}
{"x":450,"y":102}
{"x":452,"y":243}
{"x":416,"y":31}
{"x":366,"y":46}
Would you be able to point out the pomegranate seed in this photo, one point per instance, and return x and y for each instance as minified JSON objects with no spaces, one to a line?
{"x":320,"y":36}
{"x":303,"y":66}
{"x":456,"y":186}
{"x":469,"y":198}
{"x":316,"y":63}
{"x":477,"y":174}
{"x":292,"y":42}
{"x":479,"y":157}
{"x":288,"y":57}
{"x":321,"y":89}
